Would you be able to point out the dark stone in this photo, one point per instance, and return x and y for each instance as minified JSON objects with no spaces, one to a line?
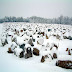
{"x":64,"y":64}
{"x":36,"y":51}
{"x":22,"y":46}
{"x":43,"y":59}
{"x":6,"y":41}
{"x":54,"y":55}
{"x":36,"y":30}
{"x":30,"y":35}
{"x":49,"y":30}
{"x":29,"y":53}
{"x":24,"y":29}
{"x":56,"y":46}
{"x":21,"y":54}
{"x":39,"y":33}
{"x":69,"y":52}
{"x":67,"y":49}
{"x":70,"y":38}
{"x":15,"y":30}
{"x":65,"y":37}
{"x":42,"y":33}
{"x":9,"y":35}
{"x":9,"y":50}
{"x":37,"y":36}
{"x":28,"y":56}
{"x":32,"y":45}
{"x":33,"y":40}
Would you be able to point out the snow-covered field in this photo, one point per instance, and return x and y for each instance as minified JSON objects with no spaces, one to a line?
{"x":48,"y":39}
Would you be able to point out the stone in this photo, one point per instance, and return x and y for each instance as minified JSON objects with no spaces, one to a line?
{"x":21,"y":54}
{"x":21,"y":30}
{"x":64,"y":64}
{"x":56,"y":46}
{"x":69,"y":52}
{"x":54,"y":55}
{"x":47,"y":37}
{"x":42,"y":33}
{"x":24,"y":29}
{"x":40,"y":41}
{"x":33,"y":40}
{"x":36,"y":51}
{"x":58,"y":37}
{"x":30,"y":41}
{"x":29,"y":53}
{"x":67,"y":49}
{"x":43,"y":59}
{"x":70,"y":38}
{"x":65,"y":37}
{"x":49,"y":30}
{"x":22,"y":46}
{"x":9,"y":50}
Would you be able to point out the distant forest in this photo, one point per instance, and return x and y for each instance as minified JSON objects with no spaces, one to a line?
{"x":35,"y":19}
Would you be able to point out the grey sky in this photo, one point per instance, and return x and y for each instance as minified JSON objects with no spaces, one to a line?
{"x":41,"y":8}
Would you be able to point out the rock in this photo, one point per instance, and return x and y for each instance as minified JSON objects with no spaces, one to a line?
{"x":32,"y":45}
{"x":33,"y":40}
{"x":42,"y":33}
{"x":64,"y":64}
{"x":49,"y":30}
{"x":58,"y":37}
{"x":27,"y":56}
{"x":47,"y":37}
{"x":67,"y":49}
{"x":43,"y":59}
{"x":21,"y":54}
{"x":9,"y":50}
{"x":39,"y":33}
{"x":69,"y":52}
{"x":24,"y":29}
{"x":30,"y":41}
{"x":21,"y":30}
{"x":46,"y":56}
{"x":40,"y":41}
{"x":56,"y":46}
{"x":54,"y":55}
{"x":37,"y":36}
{"x":65,"y":37}
{"x":4,"y":42}
{"x":70,"y":38}
{"x":36,"y":51}
{"x":29,"y":53}
{"x":22,"y":46}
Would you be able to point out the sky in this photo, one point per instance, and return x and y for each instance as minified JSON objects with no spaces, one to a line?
{"x":40,"y":8}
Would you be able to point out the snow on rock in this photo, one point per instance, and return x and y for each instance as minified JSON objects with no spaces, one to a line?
{"x":18,"y":52}
{"x":51,"y":45}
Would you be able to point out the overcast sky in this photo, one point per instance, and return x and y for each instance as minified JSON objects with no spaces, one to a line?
{"x":40,"y":8}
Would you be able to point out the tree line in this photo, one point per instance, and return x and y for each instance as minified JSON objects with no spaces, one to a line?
{"x":34,"y":19}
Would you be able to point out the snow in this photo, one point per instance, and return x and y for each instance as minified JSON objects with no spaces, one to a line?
{"x":11,"y":63}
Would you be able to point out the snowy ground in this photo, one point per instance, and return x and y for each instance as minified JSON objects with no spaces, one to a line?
{"x":11,"y":63}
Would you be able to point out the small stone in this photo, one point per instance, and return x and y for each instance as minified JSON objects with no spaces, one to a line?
{"x":54,"y":55}
{"x":43,"y":59}
{"x":36,"y":51}
{"x":47,"y":37}
{"x":21,"y":30}
{"x":9,"y":50}
{"x":67,"y":49}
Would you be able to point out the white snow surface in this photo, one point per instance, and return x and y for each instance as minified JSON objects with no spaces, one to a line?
{"x":11,"y":63}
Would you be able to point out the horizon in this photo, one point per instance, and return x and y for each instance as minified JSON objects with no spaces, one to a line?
{"x":39,"y":8}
